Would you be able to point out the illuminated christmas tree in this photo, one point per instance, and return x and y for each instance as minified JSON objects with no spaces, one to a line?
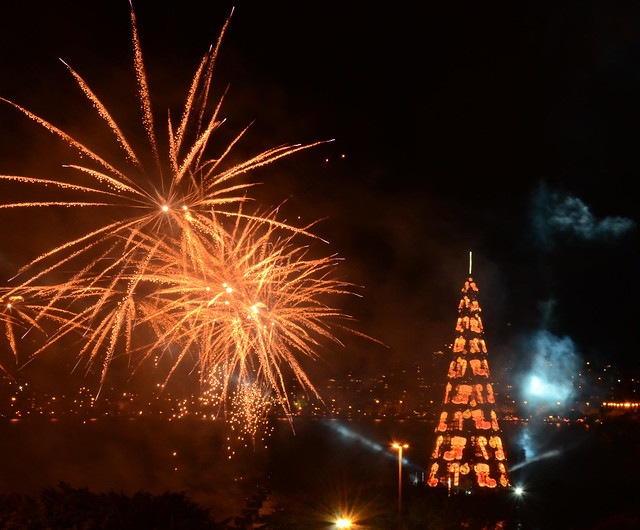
{"x":468,"y":454}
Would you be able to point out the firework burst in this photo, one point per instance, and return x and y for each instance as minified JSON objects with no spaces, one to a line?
{"x":142,"y":200}
{"x":251,"y":300}
{"x":178,"y":258}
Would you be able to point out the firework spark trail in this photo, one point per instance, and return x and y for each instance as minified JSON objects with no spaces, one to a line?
{"x":23,"y":309}
{"x":143,"y":92}
{"x":178,"y":256}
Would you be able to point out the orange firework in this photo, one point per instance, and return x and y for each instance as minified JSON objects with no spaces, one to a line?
{"x":143,"y":200}
{"x":24,"y":310}
{"x":251,"y":300}
{"x":179,"y":257}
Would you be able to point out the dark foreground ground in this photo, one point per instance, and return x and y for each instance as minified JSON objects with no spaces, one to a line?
{"x":150,"y":474}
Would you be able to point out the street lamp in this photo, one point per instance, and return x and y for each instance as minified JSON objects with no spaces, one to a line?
{"x":343,"y":523}
{"x":399,"y":447}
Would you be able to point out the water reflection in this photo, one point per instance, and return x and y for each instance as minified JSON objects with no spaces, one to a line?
{"x":314,"y":463}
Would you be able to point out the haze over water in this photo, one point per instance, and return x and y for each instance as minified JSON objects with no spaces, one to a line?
{"x":569,"y":467}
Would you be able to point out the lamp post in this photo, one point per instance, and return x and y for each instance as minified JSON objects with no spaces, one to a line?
{"x":399,"y":447}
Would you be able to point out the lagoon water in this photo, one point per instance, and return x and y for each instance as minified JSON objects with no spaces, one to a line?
{"x":569,"y":467}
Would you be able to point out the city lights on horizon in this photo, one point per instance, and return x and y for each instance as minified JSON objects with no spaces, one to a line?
{"x":621,"y":405}
{"x":387,"y":396}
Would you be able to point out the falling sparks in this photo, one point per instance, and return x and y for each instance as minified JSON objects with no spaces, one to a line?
{"x":248,"y":416}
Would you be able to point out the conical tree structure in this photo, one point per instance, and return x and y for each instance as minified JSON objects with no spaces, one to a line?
{"x":469,"y":453}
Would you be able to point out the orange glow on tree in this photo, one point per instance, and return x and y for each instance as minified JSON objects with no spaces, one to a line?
{"x":469,"y":453}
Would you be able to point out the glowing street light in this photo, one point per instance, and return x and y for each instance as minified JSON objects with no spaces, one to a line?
{"x":343,"y":523}
{"x":399,"y":447}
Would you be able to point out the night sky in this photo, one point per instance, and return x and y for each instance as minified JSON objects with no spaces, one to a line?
{"x":510,"y":130}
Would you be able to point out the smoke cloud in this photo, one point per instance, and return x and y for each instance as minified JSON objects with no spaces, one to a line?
{"x":547,"y":386}
{"x":554,"y":363}
{"x":555,"y":214}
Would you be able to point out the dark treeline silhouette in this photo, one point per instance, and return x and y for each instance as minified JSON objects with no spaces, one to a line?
{"x":64,"y":507}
